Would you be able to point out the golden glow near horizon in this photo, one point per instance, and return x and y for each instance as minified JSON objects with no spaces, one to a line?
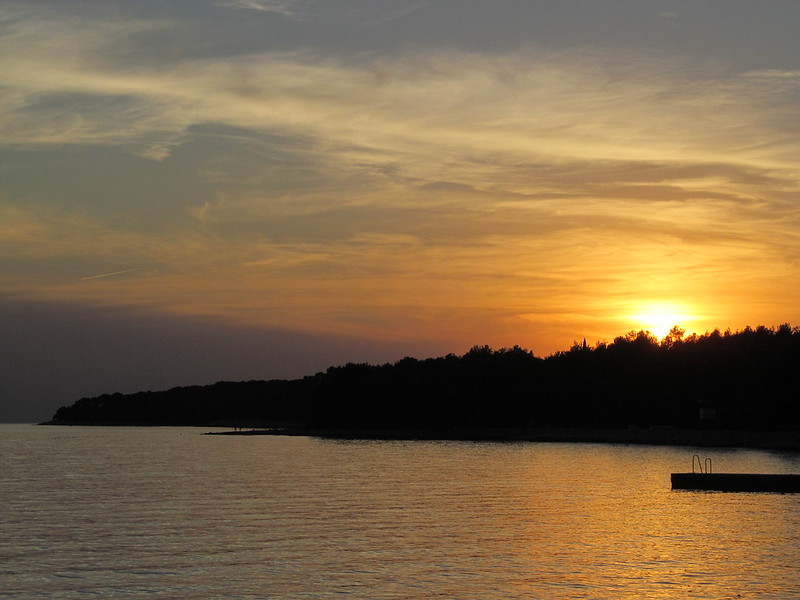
{"x":660,"y":318}
{"x":502,"y":190}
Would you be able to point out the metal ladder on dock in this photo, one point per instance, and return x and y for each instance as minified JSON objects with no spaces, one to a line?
{"x":696,"y":461}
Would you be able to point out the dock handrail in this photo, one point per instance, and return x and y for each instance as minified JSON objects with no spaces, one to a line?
{"x":700,"y":469}
{"x":699,"y":464}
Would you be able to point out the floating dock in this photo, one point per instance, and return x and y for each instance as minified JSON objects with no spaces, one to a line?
{"x":701,"y":478}
{"x":736,"y":482}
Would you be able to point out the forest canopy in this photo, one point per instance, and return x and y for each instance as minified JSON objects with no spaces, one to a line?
{"x":743,"y":380}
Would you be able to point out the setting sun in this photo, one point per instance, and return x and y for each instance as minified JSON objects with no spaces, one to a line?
{"x":658,"y":319}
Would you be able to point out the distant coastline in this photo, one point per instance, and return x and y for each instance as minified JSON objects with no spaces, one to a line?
{"x":788,"y":441}
{"x":719,"y":389}
{"x":785,"y":441}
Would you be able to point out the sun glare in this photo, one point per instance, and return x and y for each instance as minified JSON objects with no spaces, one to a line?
{"x":658,"y":319}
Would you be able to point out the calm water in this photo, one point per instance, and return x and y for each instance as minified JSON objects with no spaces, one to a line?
{"x":169,"y":513}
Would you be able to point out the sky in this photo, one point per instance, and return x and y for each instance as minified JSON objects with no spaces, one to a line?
{"x":204,"y":190}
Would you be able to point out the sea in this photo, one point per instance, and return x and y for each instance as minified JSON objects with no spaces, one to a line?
{"x":151,"y":513}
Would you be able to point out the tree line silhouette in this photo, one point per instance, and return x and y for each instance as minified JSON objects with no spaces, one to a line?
{"x":744,"y":380}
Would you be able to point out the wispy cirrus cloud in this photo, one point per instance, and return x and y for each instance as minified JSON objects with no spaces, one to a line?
{"x":383,"y":109}
{"x":287,"y":8}
{"x":112,"y":274}
{"x":774,"y":73}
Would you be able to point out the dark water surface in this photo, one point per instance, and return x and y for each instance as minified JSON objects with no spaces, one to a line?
{"x":169,"y":513}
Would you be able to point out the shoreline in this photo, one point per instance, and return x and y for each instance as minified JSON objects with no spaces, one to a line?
{"x":786,"y":441}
